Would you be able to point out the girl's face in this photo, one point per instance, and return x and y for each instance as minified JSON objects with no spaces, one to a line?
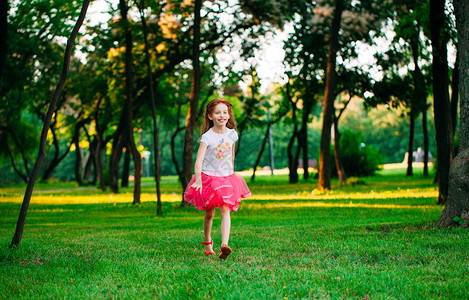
{"x":220,"y":115}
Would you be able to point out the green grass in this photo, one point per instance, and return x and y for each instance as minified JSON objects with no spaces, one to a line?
{"x":372,"y":239}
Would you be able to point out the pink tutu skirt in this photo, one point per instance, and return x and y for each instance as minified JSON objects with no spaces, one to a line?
{"x":218,"y":191}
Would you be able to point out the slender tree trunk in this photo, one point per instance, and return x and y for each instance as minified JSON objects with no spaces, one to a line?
{"x":338,"y":158}
{"x":21,"y":148}
{"x":42,"y":147}
{"x":292,"y":162}
{"x":420,"y":96}
{"x":78,"y":169}
{"x":325,"y":151}
{"x":99,"y":149}
{"x":126,"y":169}
{"x":457,"y":207}
{"x":410,"y":148}
{"x":441,"y":105}
{"x":57,"y":158}
{"x":12,"y":161}
{"x":156,"y":155}
{"x":194,"y":101}
{"x":129,"y":99}
{"x":261,"y":151}
{"x":426,"y":147}
{"x":304,"y":137}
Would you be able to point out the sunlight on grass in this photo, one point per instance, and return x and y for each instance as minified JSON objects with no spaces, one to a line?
{"x":328,"y":204}
{"x":333,"y":195}
{"x":90,"y":199}
{"x":175,"y":197}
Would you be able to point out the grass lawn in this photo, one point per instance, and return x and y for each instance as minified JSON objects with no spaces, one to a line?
{"x":374,"y":238}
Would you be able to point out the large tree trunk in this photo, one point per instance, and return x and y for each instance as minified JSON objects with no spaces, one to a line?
{"x":410,"y":146}
{"x":455,"y":94}
{"x":129,"y":99}
{"x":42,"y":146}
{"x":457,"y":207}
{"x":156,"y":155}
{"x":441,"y":105}
{"x":194,"y":101}
{"x":4,"y":7}
{"x":325,"y":151}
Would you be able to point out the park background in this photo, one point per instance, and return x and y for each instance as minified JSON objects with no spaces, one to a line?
{"x":106,"y":219}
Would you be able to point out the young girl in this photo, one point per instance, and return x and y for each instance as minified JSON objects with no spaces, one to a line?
{"x":215,"y":184}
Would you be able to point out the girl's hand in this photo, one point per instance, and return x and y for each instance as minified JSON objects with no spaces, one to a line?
{"x":197,"y":185}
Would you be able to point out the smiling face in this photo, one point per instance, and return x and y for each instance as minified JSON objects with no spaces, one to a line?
{"x":220,"y":115}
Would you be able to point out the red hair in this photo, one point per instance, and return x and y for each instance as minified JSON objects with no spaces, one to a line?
{"x":209,"y":110}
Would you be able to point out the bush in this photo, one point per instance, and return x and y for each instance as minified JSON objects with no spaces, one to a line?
{"x":358,"y":159}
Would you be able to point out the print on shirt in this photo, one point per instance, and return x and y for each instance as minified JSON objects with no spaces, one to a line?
{"x":223,"y":150}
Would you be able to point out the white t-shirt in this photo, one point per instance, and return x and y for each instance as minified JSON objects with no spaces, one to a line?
{"x":218,"y":160}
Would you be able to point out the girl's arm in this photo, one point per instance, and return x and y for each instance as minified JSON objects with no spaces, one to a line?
{"x":233,"y":153}
{"x":198,"y":167}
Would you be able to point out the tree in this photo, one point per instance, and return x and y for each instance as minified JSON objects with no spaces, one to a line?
{"x":128,"y":110}
{"x":194,"y":99}
{"x":328,"y":106}
{"x":441,"y":104}
{"x":42,"y":147}
{"x":456,"y":210}
{"x":156,"y":150}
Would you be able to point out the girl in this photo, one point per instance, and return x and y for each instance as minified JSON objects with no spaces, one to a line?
{"x":215,"y":184}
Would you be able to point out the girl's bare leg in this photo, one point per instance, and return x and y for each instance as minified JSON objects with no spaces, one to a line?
{"x":208,"y":220}
{"x":225,"y":224}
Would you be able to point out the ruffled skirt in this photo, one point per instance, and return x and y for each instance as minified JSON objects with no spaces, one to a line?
{"x":218,"y":191}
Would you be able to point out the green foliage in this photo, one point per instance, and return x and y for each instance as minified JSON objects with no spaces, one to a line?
{"x":358,"y":158}
{"x":328,"y":246}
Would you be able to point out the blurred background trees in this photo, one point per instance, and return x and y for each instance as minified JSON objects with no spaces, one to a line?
{"x":383,"y":86}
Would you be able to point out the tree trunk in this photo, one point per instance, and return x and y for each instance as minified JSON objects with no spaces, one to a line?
{"x":78,"y":169}
{"x":116,"y":155}
{"x":420,"y":96}
{"x":12,"y":161}
{"x":4,"y":7}
{"x":194,"y":101}
{"x":455,"y":94}
{"x":304,"y":137}
{"x":126,"y":169}
{"x":57,"y":159}
{"x":156,"y":155}
{"x":441,"y":105}
{"x":457,"y":207}
{"x":23,"y":155}
{"x":99,"y":149}
{"x":42,"y":146}
{"x":426,"y":147}
{"x":129,"y":109}
{"x":261,"y":151}
{"x":325,"y":151}
{"x":338,"y":158}
{"x":292,"y":162}
{"x":410,"y":148}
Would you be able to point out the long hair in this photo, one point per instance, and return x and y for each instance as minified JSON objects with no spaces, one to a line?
{"x":209,"y":110}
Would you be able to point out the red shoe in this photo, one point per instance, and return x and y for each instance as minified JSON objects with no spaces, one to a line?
{"x":208,"y":253}
{"x":224,"y":251}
